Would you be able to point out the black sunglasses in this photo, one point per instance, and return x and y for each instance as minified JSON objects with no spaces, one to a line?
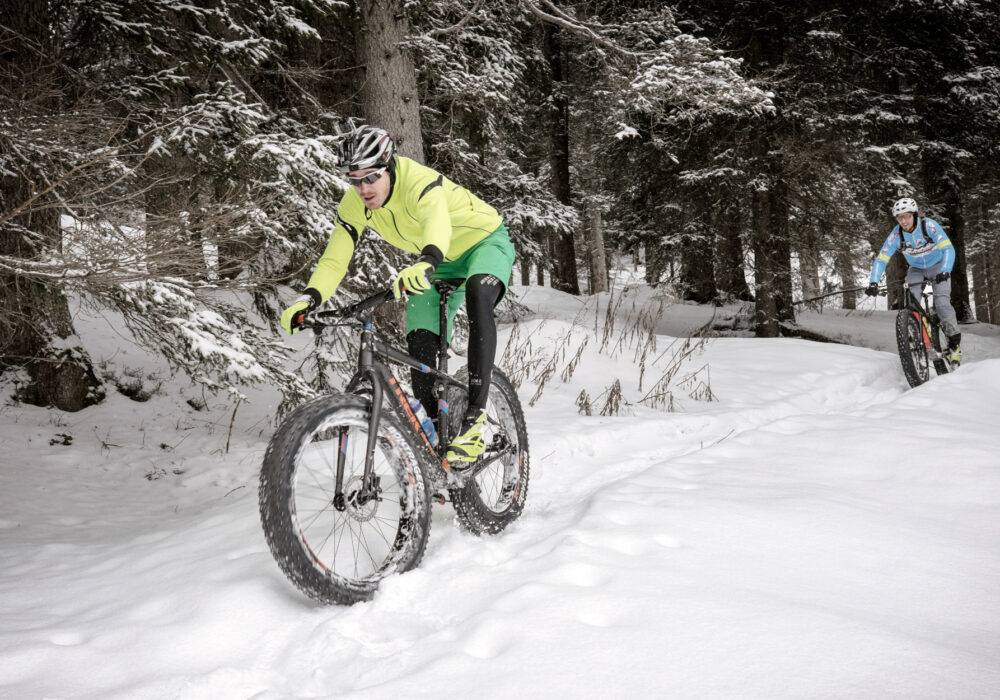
{"x":369,"y":179}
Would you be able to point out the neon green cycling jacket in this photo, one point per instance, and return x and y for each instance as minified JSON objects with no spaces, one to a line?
{"x":425,"y":213}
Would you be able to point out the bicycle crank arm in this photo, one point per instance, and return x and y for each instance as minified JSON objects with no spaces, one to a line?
{"x":488,"y":458}
{"x":461,"y":477}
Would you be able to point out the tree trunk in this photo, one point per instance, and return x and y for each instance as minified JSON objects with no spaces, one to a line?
{"x":943,"y":184}
{"x":169,"y":250}
{"x":233,"y":252}
{"x":697,"y":275}
{"x":981,"y":271}
{"x":772,"y":249}
{"x":545,"y":245}
{"x":985,"y":264}
{"x":658,"y":260}
{"x":596,"y":253}
{"x":765,"y":51}
{"x":525,"y":272}
{"x":564,"y":272}
{"x":845,"y":270}
{"x":730,"y":273}
{"x":987,"y":272}
{"x":35,"y":321}
{"x":765,"y":310}
{"x":993,"y":261}
{"x":781,"y":246}
{"x":809,"y":269}
{"x":389,"y":89}
{"x":959,"y":276}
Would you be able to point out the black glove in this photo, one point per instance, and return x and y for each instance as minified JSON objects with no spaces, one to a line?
{"x":872,"y":289}
{"x":942,"y":277}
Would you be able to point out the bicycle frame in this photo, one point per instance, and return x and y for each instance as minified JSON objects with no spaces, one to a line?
{"x":926,"y":317}
{"x":376,"y":373}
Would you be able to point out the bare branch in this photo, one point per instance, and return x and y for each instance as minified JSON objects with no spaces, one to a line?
{"x":579,"y":28}
{"x":444,"y":31}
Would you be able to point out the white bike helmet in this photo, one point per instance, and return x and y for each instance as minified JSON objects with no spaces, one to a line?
{"x":904,"y":205}
{"x":368,"y":147}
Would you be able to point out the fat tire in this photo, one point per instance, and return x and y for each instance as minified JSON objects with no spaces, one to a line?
{"x":912,"y":353}
{"x":471,"y":508}
{"x":277,"y":499}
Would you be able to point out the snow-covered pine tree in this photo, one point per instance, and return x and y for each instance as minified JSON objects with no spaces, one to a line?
{"x":179,"y":178}
{"x":480,"y":95}
{"x":37,"y":343}
{"x":655,"y":86}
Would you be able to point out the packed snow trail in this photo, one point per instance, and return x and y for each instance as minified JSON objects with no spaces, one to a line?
{"x":788,"y":539}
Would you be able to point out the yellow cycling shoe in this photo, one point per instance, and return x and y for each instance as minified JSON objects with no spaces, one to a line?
{"x":470,"y":443}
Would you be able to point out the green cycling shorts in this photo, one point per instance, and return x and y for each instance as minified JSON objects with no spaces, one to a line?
{"x":494,"y":255}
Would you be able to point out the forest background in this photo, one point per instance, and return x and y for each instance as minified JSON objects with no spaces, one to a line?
{"x":176,"y":161}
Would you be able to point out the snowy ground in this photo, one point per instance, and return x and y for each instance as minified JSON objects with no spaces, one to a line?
{"x":818,"y":530}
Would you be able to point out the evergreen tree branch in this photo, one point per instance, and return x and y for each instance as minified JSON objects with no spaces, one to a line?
{"x":583,"y":30}
{"x":469,"y":16}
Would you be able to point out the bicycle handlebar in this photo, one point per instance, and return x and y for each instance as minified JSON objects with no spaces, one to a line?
{"x":361,"y":307}
{"x":319,"y":319}
{"x":316,"y":319}
{"x":884,"y":289}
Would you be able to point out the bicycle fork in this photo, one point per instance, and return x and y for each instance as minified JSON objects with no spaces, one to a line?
{"x":369,"y":482}
{"x":932,"y":352}
{"x":925,"y":329}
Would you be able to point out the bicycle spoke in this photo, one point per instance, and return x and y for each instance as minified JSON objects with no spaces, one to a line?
{"x":322,"y":545}
{"x":367,"y":547}
{"x":356,"y":538}
{"x":339,"y":541}
{"x":336,"y":538}
{"x":305,"y":525}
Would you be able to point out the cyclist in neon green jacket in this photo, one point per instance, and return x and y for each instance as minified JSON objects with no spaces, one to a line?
{"x":454,"y":233}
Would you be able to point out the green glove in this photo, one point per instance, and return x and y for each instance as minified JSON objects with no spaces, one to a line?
{"x":294,"y":315}
{"x":414,"y":279}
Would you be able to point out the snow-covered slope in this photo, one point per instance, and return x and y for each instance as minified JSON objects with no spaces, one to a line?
{"x":817,"y":529}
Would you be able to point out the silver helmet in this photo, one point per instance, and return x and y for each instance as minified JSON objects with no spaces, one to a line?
{"x":368,"y":147}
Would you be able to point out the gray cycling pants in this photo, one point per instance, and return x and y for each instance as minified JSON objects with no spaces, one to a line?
{"x":942,"y":295}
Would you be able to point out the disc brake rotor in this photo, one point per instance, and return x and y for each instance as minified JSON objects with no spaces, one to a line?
{"x":359,"y":508}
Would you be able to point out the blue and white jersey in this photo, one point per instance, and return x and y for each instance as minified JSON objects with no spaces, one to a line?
{"x":920,"y":252}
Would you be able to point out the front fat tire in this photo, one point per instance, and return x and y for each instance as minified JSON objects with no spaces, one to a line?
{"x":302,"y":546}
{"x":495,"y":498}
{"x":912,"y":353}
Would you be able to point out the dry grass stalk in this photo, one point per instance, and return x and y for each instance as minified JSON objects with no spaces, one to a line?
{"x":524,"y":360}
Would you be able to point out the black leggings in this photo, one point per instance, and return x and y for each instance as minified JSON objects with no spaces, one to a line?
{"x":481,"y":295}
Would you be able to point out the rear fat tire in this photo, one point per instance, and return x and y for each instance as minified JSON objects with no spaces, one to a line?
{"x":304,"y":555}
{"x":912,"y":353}
{"x":495,"y":498}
